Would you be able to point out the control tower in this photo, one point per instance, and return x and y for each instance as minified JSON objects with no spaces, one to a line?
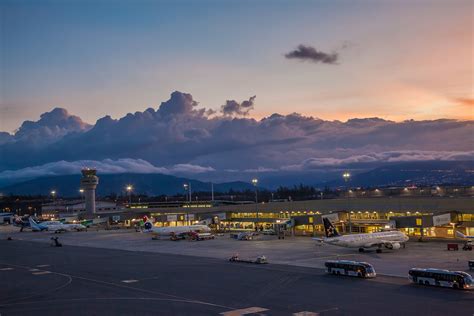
{"x":89,"y":182}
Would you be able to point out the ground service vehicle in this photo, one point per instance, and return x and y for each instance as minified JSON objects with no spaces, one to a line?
{"x":351,"y":268}
{"x":438,"y":277}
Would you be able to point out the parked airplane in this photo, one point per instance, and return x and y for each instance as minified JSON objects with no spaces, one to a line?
{"x":36,"y":227}
{"x":54,"y":226}
{"x":175,"y":230}
{"x":388,"y":239}
{"x":461,"y":235}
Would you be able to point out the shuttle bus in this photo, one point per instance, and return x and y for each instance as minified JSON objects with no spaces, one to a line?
{"x":351,"y":268}
{"x":438,"y":277}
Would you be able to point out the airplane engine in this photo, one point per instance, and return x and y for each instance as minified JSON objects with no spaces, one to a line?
{"x":395,"y":245}
{"x":148,"y":225}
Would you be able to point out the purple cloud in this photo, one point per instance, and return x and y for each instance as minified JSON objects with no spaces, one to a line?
{"x":181,"y":133}
{"x":309,"y":53}
{"x":232,"y":107}
{"x":106,"y":166}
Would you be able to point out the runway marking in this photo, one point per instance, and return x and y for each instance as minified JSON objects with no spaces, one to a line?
{"x":70,"y":277}
{"x":305,"y":313}
{"x":129,"y":281}
{"x":42,"y":265}
{"x":332,"y":256}
{"x":41,"y":272}
{"x":33,"y":270}
{"x":6,"y":269}
{"x":244,"y":311}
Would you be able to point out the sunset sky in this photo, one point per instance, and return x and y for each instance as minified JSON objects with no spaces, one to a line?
{"x":395,"y":59}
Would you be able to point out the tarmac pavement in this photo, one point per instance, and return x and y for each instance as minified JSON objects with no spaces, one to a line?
{"x":296,"y":251}
{"x":37,"y":279}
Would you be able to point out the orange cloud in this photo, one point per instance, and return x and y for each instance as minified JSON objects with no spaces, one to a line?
{"x":465,"y":101}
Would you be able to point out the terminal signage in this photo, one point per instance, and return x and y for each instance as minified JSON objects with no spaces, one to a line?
{"x":171,"y":218}
{"x":441,"y":220}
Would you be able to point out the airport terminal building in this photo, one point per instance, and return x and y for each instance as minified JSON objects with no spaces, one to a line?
{"x":416,"y":216}
{"x":417,"y":212}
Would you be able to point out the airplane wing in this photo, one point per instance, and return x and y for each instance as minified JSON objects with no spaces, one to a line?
{"x":461,"y":235}
{"x":374,"y":244}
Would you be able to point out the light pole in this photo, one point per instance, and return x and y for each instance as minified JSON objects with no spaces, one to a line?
{"x":187,"y":187}
{"x":255,"y":182}
{"x":347,"y":177}
{"x":81,"y":191}
{"x":53,"y":194}
{"x":129,"y":189}
{"x":212,"y":192}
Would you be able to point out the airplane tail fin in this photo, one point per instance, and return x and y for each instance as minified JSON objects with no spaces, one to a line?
{"x":34,"y":225}
{"x":460,"y":235}
{"x":329,"y":228}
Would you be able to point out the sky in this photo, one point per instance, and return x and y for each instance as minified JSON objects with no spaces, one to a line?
{"x":396,"y":60}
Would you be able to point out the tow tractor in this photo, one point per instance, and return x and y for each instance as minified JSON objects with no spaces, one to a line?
{"x":260,"y":259}
{"x":200,"y":236}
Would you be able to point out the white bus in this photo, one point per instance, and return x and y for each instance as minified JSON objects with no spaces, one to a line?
{"x":351,"y":268}
{"x":438,"y":277}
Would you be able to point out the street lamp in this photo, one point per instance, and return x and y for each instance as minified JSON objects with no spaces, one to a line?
{"x":347,"y":177}
{"x":53,"y":194}
{"x":255,"y":182}
{"x":187,"y":187}
{"x":129,"y":189}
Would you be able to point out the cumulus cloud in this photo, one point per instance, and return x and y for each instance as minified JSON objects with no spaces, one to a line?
{"x":5,"y":138}
{"x":180,"y":103}
{"x":106,"y":166}
{"x":309,"y":53}
{"x":232,"y":107}
{"x":180,"y":133}
{"x":51,"y":126}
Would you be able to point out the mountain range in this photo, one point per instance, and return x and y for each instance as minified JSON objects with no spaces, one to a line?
{"x":149,"y":184}
{"x":417,"y":173}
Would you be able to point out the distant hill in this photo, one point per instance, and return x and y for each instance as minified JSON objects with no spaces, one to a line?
{"x":394,"y":174}
{"x":419,"y":173}
{"x":150,"y":184}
